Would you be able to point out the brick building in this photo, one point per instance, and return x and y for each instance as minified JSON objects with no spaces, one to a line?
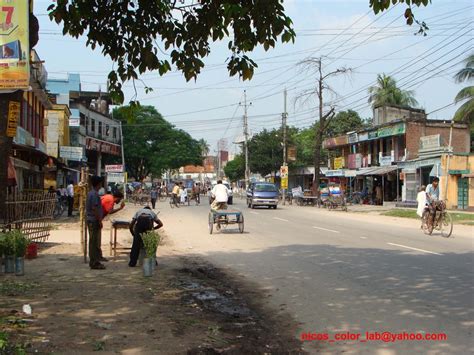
{"x":399,"y":153}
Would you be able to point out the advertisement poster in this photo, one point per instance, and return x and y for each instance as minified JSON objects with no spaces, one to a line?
{"x":14,"y":45}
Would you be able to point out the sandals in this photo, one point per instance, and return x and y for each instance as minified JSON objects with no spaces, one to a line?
{"x":98,"y":267}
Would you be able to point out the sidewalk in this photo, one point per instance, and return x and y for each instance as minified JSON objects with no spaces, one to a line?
{"x":187,"y":306}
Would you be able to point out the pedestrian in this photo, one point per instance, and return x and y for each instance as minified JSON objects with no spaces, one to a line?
{"x":421,"y":199}
{"x":94,"y":215}
{"x":175,"y":193}
{"x":108,"y":201}
{"x":153,"y":197}
{"x":70,"y":198}
{"x":142,"y":222}
{"x":183,"y":194}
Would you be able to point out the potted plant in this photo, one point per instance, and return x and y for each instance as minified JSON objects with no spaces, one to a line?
{"x":9,"y":251}
{"x":21,"y":243}
{"x":150,"y":242}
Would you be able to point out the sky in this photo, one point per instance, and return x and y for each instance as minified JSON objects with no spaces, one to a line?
{"x":345,"y":33}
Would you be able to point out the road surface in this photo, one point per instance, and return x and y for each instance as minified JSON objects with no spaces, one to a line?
{"x":345,"y":273}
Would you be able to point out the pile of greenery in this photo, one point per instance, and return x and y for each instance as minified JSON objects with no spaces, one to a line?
{"x":151,"y":240}
{"x":13,"y":243}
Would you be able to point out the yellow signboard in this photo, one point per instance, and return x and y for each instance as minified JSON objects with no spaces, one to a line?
{"x":284,"y":183}
{"x":284,"y":172}
{"x":14,"y":45}
{"x":13,"y":117}
{"x":338,"y":163}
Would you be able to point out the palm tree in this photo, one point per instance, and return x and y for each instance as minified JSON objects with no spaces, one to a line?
{"x":465,"y":113}
{"x":386,"y":92}
{"x":204,"y":147}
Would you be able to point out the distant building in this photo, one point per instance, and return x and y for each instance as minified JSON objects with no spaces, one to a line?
{"x":400,"y":152}
{"x":91,"y":125}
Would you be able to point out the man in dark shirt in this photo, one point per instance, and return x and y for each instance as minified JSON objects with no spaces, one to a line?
{"x":143,"y":221}
{"x":94,"y":223}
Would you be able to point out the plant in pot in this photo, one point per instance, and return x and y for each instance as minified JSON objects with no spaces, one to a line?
{"x":21,"y":243}
{"x":150,"y":242}
{"x":9,"y":251}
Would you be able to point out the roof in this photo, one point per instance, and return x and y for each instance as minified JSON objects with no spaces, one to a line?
{"x":377,"y":170}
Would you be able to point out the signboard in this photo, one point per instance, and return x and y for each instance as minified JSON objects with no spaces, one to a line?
{"x":14,"y":45}
{"x":102,"y":146}
{"x":353,"y":138}
{"x":118,"y":178}
{"x":430,"y":142}
{"x":335,"y":141}
{"x":284,"y":172}
{"x":363,"y":136}
{"x":297,"y":191}
{"x":385,"y":161}
{"x":333,"y":173}
{"x":292,"y":153}
{"x":13,"y":118}
{"x":74,"y":122}
{"x":358,"y":161}
{"x":71,"y":153}
{"x":338,"y":163}
{"x":284,"y":183}
{"x":118,"y":168}
{"x":355,"y":161}
{"x":372,"y":135}
{"x":391,"y":130}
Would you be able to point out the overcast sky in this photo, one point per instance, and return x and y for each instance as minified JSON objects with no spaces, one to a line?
{"x":346,"y":32}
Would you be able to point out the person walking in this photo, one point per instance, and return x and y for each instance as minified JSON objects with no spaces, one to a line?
{"x":153,"y":197}
{"x":70,"y":198}
{"x":94,"y":217}
{"x":142,"y":222}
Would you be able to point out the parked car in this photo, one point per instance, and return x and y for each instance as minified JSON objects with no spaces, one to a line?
{"x":230,"y":194}
{"x":262,"y":194}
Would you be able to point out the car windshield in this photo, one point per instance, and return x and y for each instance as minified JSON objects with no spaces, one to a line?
{"x":265,"y":188}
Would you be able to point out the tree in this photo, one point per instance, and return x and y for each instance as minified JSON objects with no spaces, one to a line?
{"x":383,"y":5}
{"x":386,"y":92}
{"x":204,"y":146}
{"x":235,"y":169}
{"x":266,"y":152}
{"x":129,"y":33}
{"x":315,"y":66}
{"x":465,"y":113}
{"x":345,"y":121}
{"x":153,"y":145}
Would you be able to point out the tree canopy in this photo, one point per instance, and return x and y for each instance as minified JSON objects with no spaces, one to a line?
{"x":153,"y":145}
{"x":135,"y":34}
{"x":235,"y":169}
{"x":386,"y":92}
{"x":266,"y":152}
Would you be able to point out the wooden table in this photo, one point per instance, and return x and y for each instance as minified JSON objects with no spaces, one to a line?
{"x":113,"y":236}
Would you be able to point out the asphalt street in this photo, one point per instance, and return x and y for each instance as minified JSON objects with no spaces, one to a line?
{"x":342,"y":273}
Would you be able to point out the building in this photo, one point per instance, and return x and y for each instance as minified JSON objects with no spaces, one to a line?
{"x":399,"y":153}
{"x":91,"y":124}
{"x":29,"y":153}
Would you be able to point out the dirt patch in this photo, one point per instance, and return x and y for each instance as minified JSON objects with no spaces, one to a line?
{"x":187,"y":306}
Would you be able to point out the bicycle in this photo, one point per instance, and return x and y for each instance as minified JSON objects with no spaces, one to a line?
{"x":441,"y":221}
{"x":60,"y":207}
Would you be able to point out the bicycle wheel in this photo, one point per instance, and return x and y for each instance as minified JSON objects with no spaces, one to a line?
{"x":241,"y":223}
{"x":172,"y":204}
{"x":426,"y":224}
{"x":446,"y":225}
{"x":211,"y":222}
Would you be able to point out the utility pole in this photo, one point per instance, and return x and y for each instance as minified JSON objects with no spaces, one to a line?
{"x":218,"y":161}
{"x":450,"y":149}
{"x":246,"y":147}
{"x":284,"y":117}
{"x":123,"y":163}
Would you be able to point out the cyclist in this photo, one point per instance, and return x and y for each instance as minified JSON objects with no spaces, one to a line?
{"x":220,"y":196}
{"x":432,"y":198}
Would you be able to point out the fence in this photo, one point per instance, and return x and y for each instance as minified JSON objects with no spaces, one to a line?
{"x":31,"y":212}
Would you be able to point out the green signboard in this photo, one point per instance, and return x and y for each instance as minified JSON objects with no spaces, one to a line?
{"x":391,"y":130}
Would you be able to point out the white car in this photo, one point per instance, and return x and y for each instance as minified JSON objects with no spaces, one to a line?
{"x":230,"y":194}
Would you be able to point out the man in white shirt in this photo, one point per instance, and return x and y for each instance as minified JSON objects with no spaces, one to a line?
{"x":70,"y":198}
{"x":220,"y":195}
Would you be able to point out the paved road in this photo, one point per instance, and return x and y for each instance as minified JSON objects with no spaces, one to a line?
{"x":342,"y":272}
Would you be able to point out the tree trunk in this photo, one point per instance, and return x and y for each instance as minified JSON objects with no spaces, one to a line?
{"x":317,"y":158}
{"x":5,"y":146}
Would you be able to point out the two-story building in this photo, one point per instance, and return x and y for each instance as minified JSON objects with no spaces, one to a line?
{"x":29,"y":155}
{"x":91,"y":125}
{"x":399,"y":153}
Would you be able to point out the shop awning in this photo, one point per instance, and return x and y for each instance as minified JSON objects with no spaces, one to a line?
{"x":377,"y":170}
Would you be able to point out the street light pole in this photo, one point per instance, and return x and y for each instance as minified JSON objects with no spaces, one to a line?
{"x":246,"y":147}
{"x":284,"y":116}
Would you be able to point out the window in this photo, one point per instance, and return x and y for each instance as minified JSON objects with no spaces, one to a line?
{"x":100,"y":128}
{"x":107,"y":130}
{"x":115,"y":133}
{"x":92,"y":125}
